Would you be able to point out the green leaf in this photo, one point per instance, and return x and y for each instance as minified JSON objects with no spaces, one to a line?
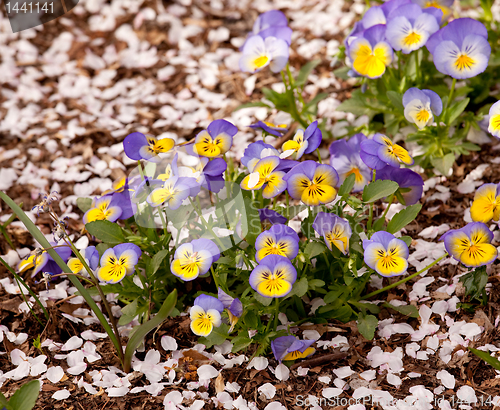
{"x":367,"y":324}
{"x":145,"y":328}
{"x":314,"y":249}
{"x":443,"y":164}
{"x":347,"y":185}
{"x":251,"y":104}
{"x":370,"y":307}
{"x":106,"y":231}
{"x":240,"y":342}
{"x":40,"y":238}
{"x":84,"y":204}
{"x":251,"y":219}
{"x":157,"y":260}
{"x":304,"y":72}
{"x":342,"y":73}
{"x":355,"y":106}
{"x":4,"y":403}
{"x":311,"y":106}
{"x":486,"y":357}
{"x":455,"y":110}
{"x":299,"y":288}
{"x":407,"y":310}
{"x":396,"y":100}
{"x":101,"y":248}
{"x":251,"y":320}
{"x":475,"y":282}
{"x":403,"y":218}
{"x":129,"y":312}
{"x":379,"y":189}
{"x":280,"y":101}
{"x":216,"y":337}
{"x":263,"y":300}
{"x":25,"y":397}
{"x":406,"y":239}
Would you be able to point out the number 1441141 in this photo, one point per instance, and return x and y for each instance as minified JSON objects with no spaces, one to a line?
{"x":31,"y":7}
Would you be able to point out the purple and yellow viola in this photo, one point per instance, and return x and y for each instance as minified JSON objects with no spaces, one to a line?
{"x":215,"y":140}
{"x":460,"y":49}
{"x":138,"y":146}
{"x":194,"y":259}
{"x":291,"y":348}
{"x":420,"y":106}
{"x":265,"y":175}
{"x":278,"y":240}
{"x":303,"y":142}
{"x":273,"y":277}
{"x":471,"y":245}
{"x":205,"y":315}
{"x":381,"y":151}
{"x":117,"y":262}
{"x":312,"y":183}
{"x":386,"y":254}
{"x":494,"y":120}
{"x":486,"y":204}
{"x":345,"y":158}
{"x":335,"y":230}
{"x":409,"y":27}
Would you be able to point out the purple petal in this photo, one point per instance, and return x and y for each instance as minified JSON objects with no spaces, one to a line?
{"x":133,"y":143}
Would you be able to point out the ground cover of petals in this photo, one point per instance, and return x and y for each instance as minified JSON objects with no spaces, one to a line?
{"x":72,"y":89}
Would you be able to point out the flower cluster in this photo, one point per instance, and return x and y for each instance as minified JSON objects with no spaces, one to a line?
{"x":460,"y":49}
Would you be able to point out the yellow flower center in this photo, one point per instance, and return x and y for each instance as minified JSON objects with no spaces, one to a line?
{"x":261,"y":61}
{"x":464,"y":62}
{"x":357,"y":174}
{"x":412,"y":38}
{"x":495,"y":122}
{"x":423,"y":115}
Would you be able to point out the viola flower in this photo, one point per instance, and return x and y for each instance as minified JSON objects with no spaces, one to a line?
{"x":291,"y":348}
{"x":409,"y":27}
{"x":486,"y":204}
{"x":276,"y":130}
{"x":312,"y":183}
{"x":380,"y":151}
{"x":205,"y":315}
{"x":119,"y":185}
{"x":386,"y":254}
{"x":370,"y":53}
{"x":215,"y":140}
{"x":117,"y":262}
{"x":420,"y":105}
{"x":234,"y":307}
{"x":271,"y":217}
{"x":443,"y":5}
{"x":278,"y":240}
{"x":303,"y":142}
{"x":259,"y":53}
{"x":257,"y":151}
{"x":345,"y":158}
{"x":265,"y":175}
{"x":335,"y":230}
{"x":208,"y":173}
{"x":273,"y":23}
{"x":460,"y":49}
{"x":137,"y":146}
{"x":411,"y":184}
{"x":273,"y":277}
{"x":109,"y":208}
{"x":90,"y":255}
{"x":41,"y":260}
{"x":194,"y":258}
{"x":174,"y":191}
{"x":471,"y":245}
{"x":494,"y":120}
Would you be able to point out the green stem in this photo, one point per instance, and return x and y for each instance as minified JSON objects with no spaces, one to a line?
{"x":141,"y":171}
{"x":452,"y":90}
{"x":319,"y":155}
{"x":405,"y":279}
{"x":391,"y":199}
{"x":276,"y":312}
{"x":287,"y":201}
{"x":295,"y":112}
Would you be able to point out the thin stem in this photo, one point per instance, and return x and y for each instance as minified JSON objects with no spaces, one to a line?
{"x":95,"y":281}
{"x":450,"y":96}
{"x":141,"y":171}
{"x":295,"y":112}
{"x":215,"y":277}
{"x":276,"y":312}
{"x":287,"y":201}
{"x":391,"y":199}
{"x":319,"y":155}
{"x":405,"y":279}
